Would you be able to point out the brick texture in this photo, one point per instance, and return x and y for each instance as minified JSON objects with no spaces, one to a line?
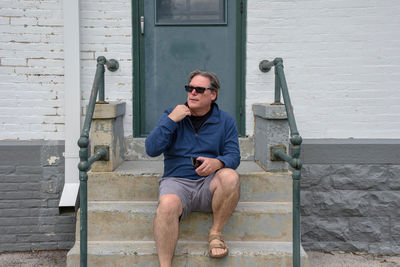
{"x":106,"y":30}
{"x":32,"y":63}
{"x":341,"y":63}
{"x":31,"y":70}
{"x":341,"y":59}
{"x":30,"y":189}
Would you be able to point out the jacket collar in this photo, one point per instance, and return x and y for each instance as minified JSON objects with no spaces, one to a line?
{"x":214,"y":118}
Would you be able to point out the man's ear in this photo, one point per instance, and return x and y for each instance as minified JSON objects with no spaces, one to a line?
{"x":214,"y":94}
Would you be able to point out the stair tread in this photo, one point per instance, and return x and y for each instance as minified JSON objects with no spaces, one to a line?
{"x":254,"y":221}
{"x":150,"y":206}
{"x":185,"y":247}
{"x":138,"y":180}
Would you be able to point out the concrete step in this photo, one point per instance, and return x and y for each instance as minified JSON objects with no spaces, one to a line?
{"x":251,"y":221}
{"x":138,"y":180}
{"x":189,"y":254}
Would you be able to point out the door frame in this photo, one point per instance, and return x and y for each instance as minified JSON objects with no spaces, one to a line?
{"x":138,"y":90}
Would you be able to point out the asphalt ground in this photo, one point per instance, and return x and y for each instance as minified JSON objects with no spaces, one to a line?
{"x":58,"y":258}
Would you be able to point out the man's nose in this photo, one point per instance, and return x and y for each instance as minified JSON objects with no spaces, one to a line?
{"x":194,"y":92}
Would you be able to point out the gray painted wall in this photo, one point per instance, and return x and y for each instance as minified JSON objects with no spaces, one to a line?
{"x":350,"y":197}
{"x":31,"y":181}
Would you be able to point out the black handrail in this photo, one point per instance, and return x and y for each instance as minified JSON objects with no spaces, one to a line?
{"x":279,"y":152}
{"x":83,"y":142}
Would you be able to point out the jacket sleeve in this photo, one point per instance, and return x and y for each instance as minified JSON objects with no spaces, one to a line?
{"x":161,"y":137}
{"x":231,"y":152}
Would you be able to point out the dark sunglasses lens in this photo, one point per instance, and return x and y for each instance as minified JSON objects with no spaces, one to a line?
{"x":199,"y":90}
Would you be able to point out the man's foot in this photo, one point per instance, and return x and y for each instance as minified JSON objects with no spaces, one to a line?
{"x":217,"y":246}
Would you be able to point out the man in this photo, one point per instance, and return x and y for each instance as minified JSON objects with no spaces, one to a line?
{"x":201,"y":152}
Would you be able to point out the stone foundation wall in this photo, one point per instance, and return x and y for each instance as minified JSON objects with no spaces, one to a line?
{"x":352,"y":207}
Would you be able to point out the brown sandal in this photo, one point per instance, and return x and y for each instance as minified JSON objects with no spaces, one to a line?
{"x":220,"y":245}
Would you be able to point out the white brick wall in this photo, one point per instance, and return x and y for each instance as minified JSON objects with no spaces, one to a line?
{"x":341,"y":61}
{"x":342,"y":64}
{"x":31,"y":70}
{"x":32,"y":63}
{"x":106,"y":30}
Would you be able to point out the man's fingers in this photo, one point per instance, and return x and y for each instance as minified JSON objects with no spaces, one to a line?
{"x":201,"y":158}
{"x":201,"y":168}
{"x":179,"y":113}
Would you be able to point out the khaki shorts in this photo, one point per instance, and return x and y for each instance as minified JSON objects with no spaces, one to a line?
{"x":194,"y":194}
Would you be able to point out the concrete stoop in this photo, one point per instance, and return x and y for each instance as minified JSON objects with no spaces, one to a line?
{"x":122,"y":206}
{"x":187,"y":253}
{"x":251,"y":221}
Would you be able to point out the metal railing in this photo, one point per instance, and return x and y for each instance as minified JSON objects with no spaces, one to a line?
{"x":101,"y":153}
{"x":279,"y":153}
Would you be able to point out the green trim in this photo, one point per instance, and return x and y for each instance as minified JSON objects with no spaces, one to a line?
{"x":241,"y":65}
{"x":136,"y":67}
{"x":142,"y":112}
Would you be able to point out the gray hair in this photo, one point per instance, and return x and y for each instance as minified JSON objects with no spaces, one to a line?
{"x":214,"y":81}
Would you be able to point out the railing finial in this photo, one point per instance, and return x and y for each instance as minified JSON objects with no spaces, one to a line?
{"x":112,"y":65}
{"x":265,"y":65}
{"x":101,"y":60}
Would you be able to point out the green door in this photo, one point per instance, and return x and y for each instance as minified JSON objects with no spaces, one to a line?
{"x":178,"y":36}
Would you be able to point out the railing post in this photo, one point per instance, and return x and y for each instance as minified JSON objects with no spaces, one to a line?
{"x":296,"y":217}
{"x":277,"y":89}
{"x":296,"y":141}
{"x":83,"y":177}
{"x":101,"y":61}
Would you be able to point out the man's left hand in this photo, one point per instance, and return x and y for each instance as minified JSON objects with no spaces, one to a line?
{"x":209,"y":166}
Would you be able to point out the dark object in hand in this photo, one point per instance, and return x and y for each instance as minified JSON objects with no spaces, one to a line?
{"x":196,"y":163}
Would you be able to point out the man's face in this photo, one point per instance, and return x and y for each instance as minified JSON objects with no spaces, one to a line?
{"x":200,"y":102}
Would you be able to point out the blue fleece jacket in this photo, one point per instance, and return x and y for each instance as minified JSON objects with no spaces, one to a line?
{"x":217,"y":138}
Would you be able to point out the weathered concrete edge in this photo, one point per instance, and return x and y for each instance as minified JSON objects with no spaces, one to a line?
{"x":110,"y":110}
{"x":350,"y":151}
{"x":269,"y":111}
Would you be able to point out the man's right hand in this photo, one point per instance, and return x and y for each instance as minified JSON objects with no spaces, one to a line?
{"x":179,"y":113}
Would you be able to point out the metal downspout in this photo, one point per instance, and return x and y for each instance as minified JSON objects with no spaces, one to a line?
{"x":72,"y":96}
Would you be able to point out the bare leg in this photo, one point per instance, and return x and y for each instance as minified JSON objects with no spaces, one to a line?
{"x":166,"y":227}
{"x":225,"y":188}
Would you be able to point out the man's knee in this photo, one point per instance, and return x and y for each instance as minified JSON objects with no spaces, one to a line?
{"x":228,"y":178}
{"x":169,"y":205}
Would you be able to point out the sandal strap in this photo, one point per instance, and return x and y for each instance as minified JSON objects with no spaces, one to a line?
{"x":220,"y":244}
{"x":213,"y":237}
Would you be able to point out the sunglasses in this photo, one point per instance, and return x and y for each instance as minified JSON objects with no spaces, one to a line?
{"x":198,"y":89}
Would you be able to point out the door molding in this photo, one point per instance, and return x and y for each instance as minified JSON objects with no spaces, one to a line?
{"x":138,"y":90}
{"x":241,"y":65}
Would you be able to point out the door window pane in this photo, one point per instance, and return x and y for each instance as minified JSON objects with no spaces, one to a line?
{"x":190,"y":12}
